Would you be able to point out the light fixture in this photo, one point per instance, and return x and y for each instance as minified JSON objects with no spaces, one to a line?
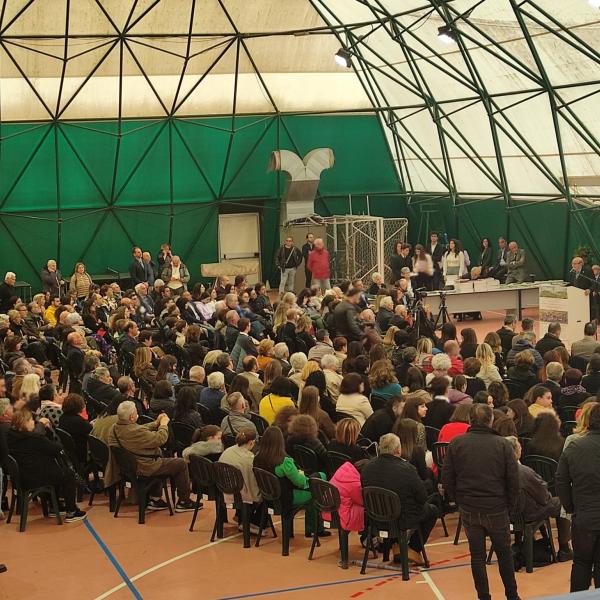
{"x":343,"y":58}
{"x":594,"y":3}
{"x":447,"y":35}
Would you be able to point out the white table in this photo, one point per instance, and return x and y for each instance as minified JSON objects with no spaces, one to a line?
{"x":514,"y":297}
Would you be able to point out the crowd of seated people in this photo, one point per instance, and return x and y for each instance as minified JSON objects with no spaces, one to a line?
{"x":254,"y":382}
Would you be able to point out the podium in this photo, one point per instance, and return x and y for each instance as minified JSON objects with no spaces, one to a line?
{"x":566,"y":305}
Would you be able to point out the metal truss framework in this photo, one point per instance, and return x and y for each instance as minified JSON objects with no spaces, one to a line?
{"x":371,"y":67}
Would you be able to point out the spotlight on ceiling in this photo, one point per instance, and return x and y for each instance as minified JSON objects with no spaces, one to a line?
{"x":446,"y":34}
{"x":343,"y":58}
{"x":594,"y":3}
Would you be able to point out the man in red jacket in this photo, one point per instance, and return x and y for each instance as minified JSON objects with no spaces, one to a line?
{"x":318,"y":265}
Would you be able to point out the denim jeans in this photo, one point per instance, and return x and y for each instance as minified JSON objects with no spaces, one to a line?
{"x":586,"y":556}
{"x":324,"y":284}
{"x":497,"y":528}
{"x":286,"y":284}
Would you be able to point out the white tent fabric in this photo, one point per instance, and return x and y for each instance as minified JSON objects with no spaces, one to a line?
{"x":508,"y":111}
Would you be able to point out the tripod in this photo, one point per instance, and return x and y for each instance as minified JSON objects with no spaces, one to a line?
{"x":443,"y":316}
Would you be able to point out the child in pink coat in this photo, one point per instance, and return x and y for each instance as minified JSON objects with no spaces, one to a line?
{"x":352,"y":513}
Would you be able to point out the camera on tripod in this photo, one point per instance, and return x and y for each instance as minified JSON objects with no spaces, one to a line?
{"x":420,"y":293}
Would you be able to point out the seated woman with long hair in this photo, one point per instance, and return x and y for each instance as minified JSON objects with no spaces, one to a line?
{"x":38,"y":458}
{"x":185,"y":410}
{"x":407,"y":430}
{"x":142,"y":365}
{"x":383,"y":380}
{"x":415,"y":408}
{"x":524,"y":422}
{"x":459,"y":423}
{"x":295,"y":492}
{"x":546,"y":439}
{"x":309,"y":405}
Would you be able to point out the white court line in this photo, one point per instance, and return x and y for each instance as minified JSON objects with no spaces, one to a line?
{"x":434,"y":588}
{"x":446,"y":543}
{"x":166,"y":563}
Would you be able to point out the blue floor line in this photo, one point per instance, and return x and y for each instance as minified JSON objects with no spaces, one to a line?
{"x":113,"y":560}
{"x":310,"y":586}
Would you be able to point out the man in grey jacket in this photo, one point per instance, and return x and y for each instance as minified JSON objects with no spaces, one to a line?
{"x":516,"y":264}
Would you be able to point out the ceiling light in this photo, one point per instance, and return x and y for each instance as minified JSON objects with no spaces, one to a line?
{"x":447,"y":35}
{"x":343,"y":58}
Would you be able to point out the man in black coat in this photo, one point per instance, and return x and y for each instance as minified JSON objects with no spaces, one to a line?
{"x":306,"y":250}
{"x":500,"y":268}
{"x":391,"y":472}
{"x":551,"y":340}
{"x":75,"y":359}
{"x":439,"y":410}
{"x":437,"y":252}
{"x":481,"y":473}
{"x":579,"y":275}
{"x":137,"y":269}
{"x":345,"y":317}
{"x":52,"y":279}
{"x":577,"y":483}
{"x":382,"y":420}
{"x":8,"y":294}
{"x":507,"y":333}
{"x":100,"y":386}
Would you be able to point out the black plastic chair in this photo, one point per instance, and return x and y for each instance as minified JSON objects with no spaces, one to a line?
{"x":202,"y":475}
{"x":182,"y":434}
{"x":146,"y":390}
{"x":370,"y":447}
{"x":21,"y":495}
{"x":545,"y":467}
{"x":211,"y":417}
{"x":326,"y":498}
{"x":128,"y":467}
{"x":270,"y":490}
{"x":94,"y":407}
{"x":579,"y":362}
{"x":382,"y":511}
{"x":438,"y":453}
{"x":567,"y":427}
{"x":431,"y":436}
{"x":524,"y":441}
{"x":99,"y":457}
{"x":337,"y":459}
{"x":229,"y":480}
{"x":341,"y":415}
{"x":306,"y":459}
{"x":144,"y":420}
{"x":260,"y":423}
{"x":377,"y":401}
{"x":515,"y":389}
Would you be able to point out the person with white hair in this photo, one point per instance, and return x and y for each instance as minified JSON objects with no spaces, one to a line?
{"x":8,"y":294}
{"x":391,"y":472}
{"x":440,"y":363}
{"x":329,"y":364}
{"x":176,"y":276}
{"x":52,"y":280}
{"x":318,"y":265}
{"x":377,"y":286}
{"x":150,"y":268}
{"x":385,"y":313}
{"x":210,"y":397}
{"x":281,"y":353}
{"x":145,"y":443}
{"x":297,"y":362}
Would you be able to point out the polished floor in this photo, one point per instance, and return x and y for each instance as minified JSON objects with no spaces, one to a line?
{"x":103,"y":557}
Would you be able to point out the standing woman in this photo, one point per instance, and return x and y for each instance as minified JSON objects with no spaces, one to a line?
{"x":423,"y":267}
{"x":485,"y":256}
{"x":80,"y":282}
{"x":453,"y":262}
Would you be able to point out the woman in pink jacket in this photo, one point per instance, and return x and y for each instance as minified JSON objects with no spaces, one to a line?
{"x":352,"y":513}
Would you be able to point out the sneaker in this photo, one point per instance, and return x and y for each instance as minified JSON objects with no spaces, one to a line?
{"x":157,"y":505}
{"x":61,"y":509}
{"x":185,"y":506}
{"x":78,"y":515}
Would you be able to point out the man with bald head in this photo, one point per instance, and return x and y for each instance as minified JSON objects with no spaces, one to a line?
{"x":51,"y":278}
{"x":176,"y":276}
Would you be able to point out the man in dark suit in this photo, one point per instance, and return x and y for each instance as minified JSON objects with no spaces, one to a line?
{"x":579,"y":275}
{"x":130,"y":341}
{"x":507,"y":333}
{"x":137,"y":270}
{"x":437,"y":252}
{"x":594,"y":293}
{"x":498,"y":271}
{"x":52,"y":279}
{"x":75,"y":359}
{"x":306,"y":250}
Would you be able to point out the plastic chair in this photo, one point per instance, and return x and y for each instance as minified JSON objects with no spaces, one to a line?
{"x":337,"y":459}
{"x":515,"y":389}
{"x":211,"y":416}
{"x":144,"y":420}
{"x":567,"y":428}
{"x":202,"y":475}
{"x":94,"y":407}
{"x":182,"y":434}
{"x":438,"y":453}
{"x":383,"y":510}
{"x":377,"y":401}
{"x":229,"y":480}
{"x":270,"y":490}
{"x":21,"y":495}
{"x":99,"y":457}
{"x":545,"y":467}
{"x":128,"y":467}
{"x":568,"y":412}
{"x":326,"y":498}
{"x":306,"y":459}
{"x":431,"y":436}
{"x":260,"y":423}
{"x":341,"y":415}
{"x":524,"y":441}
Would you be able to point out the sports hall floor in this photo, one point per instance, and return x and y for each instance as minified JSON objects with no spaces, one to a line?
{"x":103,"y":557}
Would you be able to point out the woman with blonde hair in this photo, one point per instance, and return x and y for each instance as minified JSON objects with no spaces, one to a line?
{"x":346,"y":433}
{"x":80,"y":282}
{"x":310,"y":367}
{"x":265,"y":353}
{"x":488,"y":371}
{"x":388,"y":341}
{"x":210,"y":360}
{"x":424,"y":354}
{"x":30,"y":387}
{"x":382,"y":379}
{"x":142,"y":365}
{"x":273,"y":370}
{"x":309,"y":405}
{"x":280,"y":317}
{"x":583,"y":422}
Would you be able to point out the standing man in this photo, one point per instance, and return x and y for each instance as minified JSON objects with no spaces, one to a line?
{"x":288,"y":259}
{"x":164,"y":257}
{"x":577,"y":483}
{"x":579,"y":276}
{"x":498,"y":271}
{"x":594,"y":293}
{"x":137,"y":270}
{"x":482,"y":474}
{"x":150,"y":268}
{"x":176,"y":276}
{"x":306,"y":250}
{"x":318,"y":265}
{"x":345,"y":317}
{"x":52,"y":279}
{"x":8,"y":294}
{"x":437,"y":252}
{"x":516,"y":269}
